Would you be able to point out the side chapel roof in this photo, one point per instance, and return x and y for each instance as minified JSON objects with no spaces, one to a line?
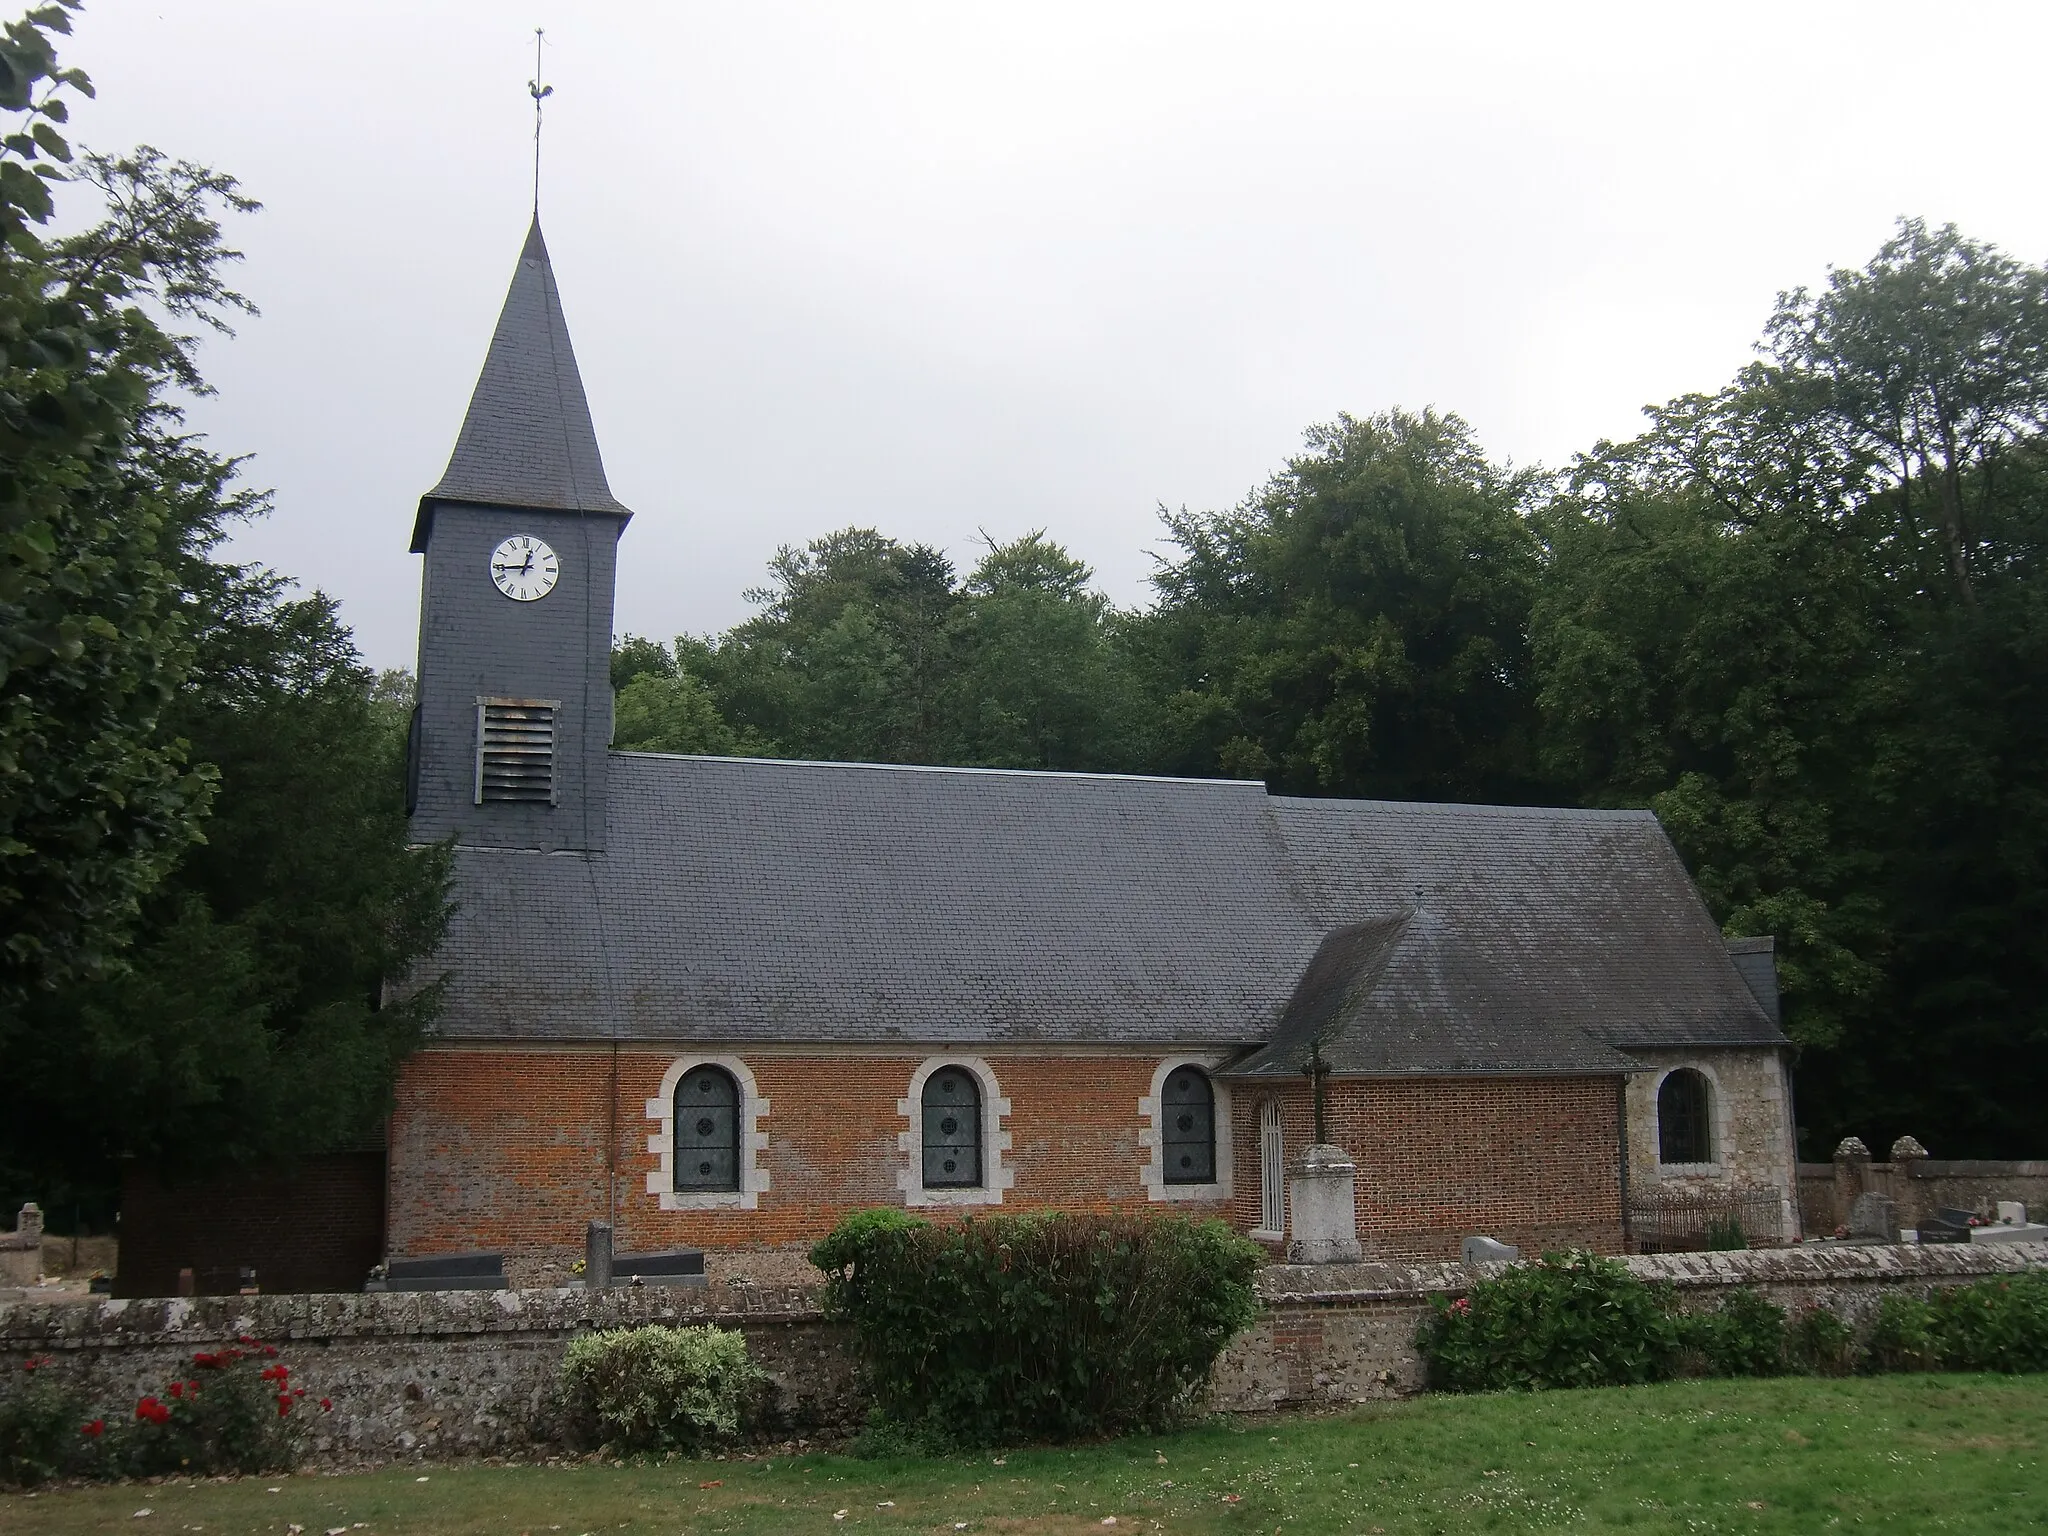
{"x":746,"y":900}
{"x":527,"y":440}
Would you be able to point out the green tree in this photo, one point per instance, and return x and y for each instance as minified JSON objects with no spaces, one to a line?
{"x":848,"y":657}
{"x":1040,"y":679}
{"x":664,"y":705}
{"x":104,"y":512}
{"x":1359,"y":626}
{"x":250,"y":1020}
{"x":1803,"y":619}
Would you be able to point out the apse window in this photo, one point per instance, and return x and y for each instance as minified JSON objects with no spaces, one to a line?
{"x":1685,"y":1118}
{"x":1188,"y":1135}
{"x":952,"y":1130}
{"x":707,"y":1132}
{"x":515,"y":750}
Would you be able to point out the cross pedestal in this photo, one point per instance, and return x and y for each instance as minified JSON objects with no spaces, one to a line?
{"x":1323,"y":1198}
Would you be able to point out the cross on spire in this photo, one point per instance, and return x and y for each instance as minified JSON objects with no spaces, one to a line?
{"x":539,"y":93}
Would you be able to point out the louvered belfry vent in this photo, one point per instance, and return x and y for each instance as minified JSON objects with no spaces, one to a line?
{"x":515,"y":750}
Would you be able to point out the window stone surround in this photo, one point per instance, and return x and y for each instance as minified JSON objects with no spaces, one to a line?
{"x":996,"y":1175}
{"x":753,"y":1109}
{"x":1151,"y":1134}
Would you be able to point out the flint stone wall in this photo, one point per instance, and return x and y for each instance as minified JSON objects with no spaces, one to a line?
{"x":451,"y":1373}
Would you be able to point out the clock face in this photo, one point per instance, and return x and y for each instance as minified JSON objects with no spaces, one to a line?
{"x":524,"y":569}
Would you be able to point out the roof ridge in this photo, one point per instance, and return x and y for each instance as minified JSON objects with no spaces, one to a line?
{"x":1020,"y":773}
{"x":1471,"y":808}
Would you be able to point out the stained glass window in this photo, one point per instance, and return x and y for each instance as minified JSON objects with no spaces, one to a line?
{"x":952,"y":1130}
{"x":707,"y":1131}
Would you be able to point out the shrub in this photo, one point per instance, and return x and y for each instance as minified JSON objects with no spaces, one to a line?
{"x":40,"y":1434}
{"x":1994,"y":1325}
{"x":236,"y":1411}
{"x":1725,"y":1235}
{"x":1820,"y":1343}
{"x":1035,"y":1327}
{"x":1570,"y":1320}
{"x":1903,"y":1336}
{"x":655,"y":1388}
{"x":1744,"y":1337}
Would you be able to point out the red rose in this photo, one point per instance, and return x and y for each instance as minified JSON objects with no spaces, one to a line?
{"x":327,"y":1405}
{"x":284,"y":1404}
{"x":95,"y":1429}
{"x":152,"y":1410}
{"x":177,"y":1389}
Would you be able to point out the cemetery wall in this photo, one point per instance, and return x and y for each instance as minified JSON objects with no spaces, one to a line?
{"x":444,"y":1374}
{"x":1919,"y":1186}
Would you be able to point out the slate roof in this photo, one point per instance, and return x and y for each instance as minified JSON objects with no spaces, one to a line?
{"x":1546,"y":922}
{"x":745,"y":900}
{"x":1406,"y":995}
{"x":527,"y":440}
{"x":748,"y":900}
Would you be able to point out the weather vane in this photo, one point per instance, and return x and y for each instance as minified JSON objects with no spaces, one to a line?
{"x":539,"y":93}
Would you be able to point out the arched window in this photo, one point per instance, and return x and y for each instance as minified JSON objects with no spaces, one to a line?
{"x":952,"y":1130}
{"x":1685,"y":1131}
{"x":707,"y":1131}
{"x":1187,"y":1136}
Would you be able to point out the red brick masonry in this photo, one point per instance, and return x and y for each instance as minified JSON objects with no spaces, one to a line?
{"x":504,"y":1149}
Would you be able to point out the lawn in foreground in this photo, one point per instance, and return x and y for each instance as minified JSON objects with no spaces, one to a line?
{"x":1893,"y":1453}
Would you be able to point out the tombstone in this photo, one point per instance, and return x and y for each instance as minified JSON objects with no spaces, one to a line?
{"x":1874,"y":1216}
{"x":2012,"y":1226}
{"x":443,"y":1272}
{"x":21,"y":1251}
{"x":1484,"y":1250}
{"x":1323,"y":1194}
{"x":597,"y":1256}
{"x":676,"y":1266}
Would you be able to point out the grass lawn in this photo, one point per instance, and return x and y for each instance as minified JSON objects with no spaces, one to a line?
{"x":1892,"y":1453}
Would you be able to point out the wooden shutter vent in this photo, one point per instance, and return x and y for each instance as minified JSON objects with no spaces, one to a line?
{"x":515,"y":750}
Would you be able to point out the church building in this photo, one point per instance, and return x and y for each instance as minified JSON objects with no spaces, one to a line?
{"x":723,"y":1002}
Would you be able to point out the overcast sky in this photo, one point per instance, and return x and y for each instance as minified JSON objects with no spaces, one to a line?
{"x":941,"y":268}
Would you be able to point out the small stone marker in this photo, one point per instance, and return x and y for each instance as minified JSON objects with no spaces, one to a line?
{"x":1874,"y":1216}
{"x":2012,"y":1213}
{"x":1484,"y":1250}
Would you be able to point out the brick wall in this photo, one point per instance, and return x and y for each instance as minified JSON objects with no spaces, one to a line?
{"x":318,"y":1227}
{"x":1530,"y":1161}
{"x":504,"y":1149}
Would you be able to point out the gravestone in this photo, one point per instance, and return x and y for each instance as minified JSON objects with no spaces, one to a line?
{"x":1484,"y":1250}
{"x":443,"y":1272}
{"x":1874,"y":1215}
{"x":1323,"y":1194}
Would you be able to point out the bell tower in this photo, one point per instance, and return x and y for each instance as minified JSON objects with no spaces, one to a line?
{"x":514,"y":719}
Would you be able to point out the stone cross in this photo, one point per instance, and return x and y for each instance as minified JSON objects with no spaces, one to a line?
{"x":1317,"y":1071}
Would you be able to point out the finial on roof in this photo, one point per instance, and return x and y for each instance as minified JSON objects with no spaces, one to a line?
{"x":539,"y":93}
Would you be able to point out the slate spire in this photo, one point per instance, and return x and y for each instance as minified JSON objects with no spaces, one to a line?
{"x":527,"y":440}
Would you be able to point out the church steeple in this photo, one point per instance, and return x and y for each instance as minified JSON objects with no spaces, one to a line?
{"x":527,"y":440}
{"x":521,"y":542}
